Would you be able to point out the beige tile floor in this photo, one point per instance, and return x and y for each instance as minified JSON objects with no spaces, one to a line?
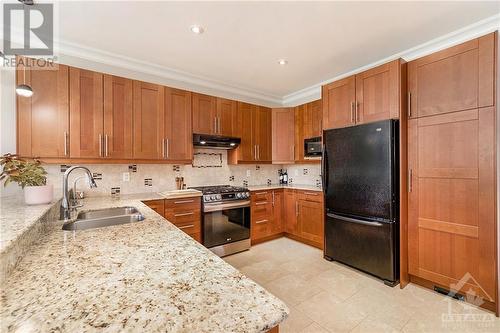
{"x":326,"y":296}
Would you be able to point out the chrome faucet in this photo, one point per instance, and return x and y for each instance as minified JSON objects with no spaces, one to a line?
{"x":66,"y":206}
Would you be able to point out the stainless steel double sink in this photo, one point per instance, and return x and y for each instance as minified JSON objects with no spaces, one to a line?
{"x":104,"y":218}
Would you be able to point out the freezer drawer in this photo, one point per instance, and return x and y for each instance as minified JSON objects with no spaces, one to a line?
{"x":368,"y":246}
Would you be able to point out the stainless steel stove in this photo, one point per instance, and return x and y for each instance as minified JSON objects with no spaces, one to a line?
{"x":226,"y":218}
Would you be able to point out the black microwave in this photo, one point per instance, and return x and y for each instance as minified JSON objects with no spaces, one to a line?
{"x":313,"y":147}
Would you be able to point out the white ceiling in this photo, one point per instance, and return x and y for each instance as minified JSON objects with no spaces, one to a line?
{"x":243,"y":40}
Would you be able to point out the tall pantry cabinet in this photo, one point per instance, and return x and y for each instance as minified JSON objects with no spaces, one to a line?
{"x":452,"y":228}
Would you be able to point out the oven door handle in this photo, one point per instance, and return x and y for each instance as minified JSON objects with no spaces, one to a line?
{"x":207,"y":208}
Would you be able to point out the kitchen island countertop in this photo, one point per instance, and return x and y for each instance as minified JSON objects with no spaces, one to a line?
{"x":145,"y":276}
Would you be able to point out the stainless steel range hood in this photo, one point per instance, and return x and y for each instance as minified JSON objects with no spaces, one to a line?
{"x":215,"y":141}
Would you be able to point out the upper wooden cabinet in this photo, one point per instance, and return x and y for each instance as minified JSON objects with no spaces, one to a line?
{"x":118,"y":110}
{"x":204,"y":114}
{"x":149,"y":139}
{"x":312,"y":120}
{"x":369,"y":96}
{"x":178,"y":142}
{"x":283,"y":146}
{"x":86,"y":114}
{"x":338,"y":103}
{"x":43,"y":119}
{"x":254,"y":127}
{"x":456,"y":79}
{"x":225,"y":117}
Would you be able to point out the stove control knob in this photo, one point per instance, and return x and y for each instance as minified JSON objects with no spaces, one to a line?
{"x":206,"y":198}
{"x":212,"y":197}
{"x":247,"y":194}
{"x":239,"y":195}
{"x":218,"y":197}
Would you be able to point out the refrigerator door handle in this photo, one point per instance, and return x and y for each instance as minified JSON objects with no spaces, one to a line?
{"x":351,"y":220}
{"x":324,"y":178}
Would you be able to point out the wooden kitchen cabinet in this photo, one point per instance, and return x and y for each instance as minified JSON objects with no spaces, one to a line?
{"x":338,"y":99}
{"x":456,"y":79}
{"x":254,"y":126}
{"x":185,"y":214}
{"x":266,"y":215}
{"x":283,"y":135}
{"x":43,"y":119}
{"x":226,"y":113}
{"x":118,"y":114}
{"x":178,"y":140}
{"x":308,"y":124}
{"x":204,"y":114}
{"x":86,"y":114}
{"x":290,"y":212}
{"x":157,"y":205}
{"x":148,"y":121}
{"x":366,"y":97}
{"x":451,"y":160}
{"x":310,"y":217}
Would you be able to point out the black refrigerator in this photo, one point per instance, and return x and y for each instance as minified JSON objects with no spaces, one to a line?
{"x":361,"y":187}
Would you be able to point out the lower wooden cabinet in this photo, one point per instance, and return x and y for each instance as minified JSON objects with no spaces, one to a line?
{"x":184,"y":213}
{"x":297,"y":214}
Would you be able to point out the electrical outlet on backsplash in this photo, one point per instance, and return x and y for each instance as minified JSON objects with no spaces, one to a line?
{"x":161,"y":177}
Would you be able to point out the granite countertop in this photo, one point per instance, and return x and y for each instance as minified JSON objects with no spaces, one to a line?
{"x":289,"y":186}
{"x":143,"y":276}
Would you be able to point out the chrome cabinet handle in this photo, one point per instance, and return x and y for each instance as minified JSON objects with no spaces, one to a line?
{"x":273,"y":198}
{"x":255,"y":152}
{"x":261,"y":221}
{"x":296,"y":208}
{"x":410,"y":176}
{"x":218,"y":125}
{"x":163,"y":148}
{"x":215,"y":124}
{"x":65,"y":143}
{"x":352,"y":112}
{"x":261,"y":203}
{"x":184,"y":214}
{"x":106,"y":145}
{"x":356,"y":111}
{"x":183,"y":201}
{"x":409,"y":104}
{"x":168,"y":148}
{"x":260,"y":193}
{"x":186,"y":226}
{"x":100,"y":145}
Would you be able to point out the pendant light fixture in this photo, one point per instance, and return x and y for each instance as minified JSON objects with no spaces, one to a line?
{"x":24,"y":90}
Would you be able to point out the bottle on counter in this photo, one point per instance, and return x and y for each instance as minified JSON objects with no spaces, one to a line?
{"x":285,"y":177}
{"x":280,"y":173}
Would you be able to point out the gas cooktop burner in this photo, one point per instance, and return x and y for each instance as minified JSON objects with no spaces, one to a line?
{"x":221,"y":193}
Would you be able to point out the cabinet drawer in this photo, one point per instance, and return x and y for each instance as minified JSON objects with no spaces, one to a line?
{"x":260,"y":227}
{"x":177,"y":216}
{"x":259,"y":196}
{"x":156,"y":205}
{"x":261,"y":211}
{"x":315,"y":196}
{"x":184,"y":203}
{"x":189,"y":227}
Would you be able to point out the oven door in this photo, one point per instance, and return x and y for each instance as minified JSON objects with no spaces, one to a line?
{"x":225,"y":223}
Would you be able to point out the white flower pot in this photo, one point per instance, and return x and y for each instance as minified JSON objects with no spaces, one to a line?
{"x":38,"y":195}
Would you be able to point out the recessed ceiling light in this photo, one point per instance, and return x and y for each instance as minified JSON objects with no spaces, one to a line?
{"x":197,"y":29}
{"x":282,"y":62}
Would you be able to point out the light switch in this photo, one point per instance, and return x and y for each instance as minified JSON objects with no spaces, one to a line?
{"x":248,"y":173}
{"x":126,"y":176}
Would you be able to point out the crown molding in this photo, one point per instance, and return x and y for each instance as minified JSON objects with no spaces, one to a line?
{"x":469,"y":32}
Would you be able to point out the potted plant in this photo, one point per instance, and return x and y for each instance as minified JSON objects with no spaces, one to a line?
{"x":30,"y":175}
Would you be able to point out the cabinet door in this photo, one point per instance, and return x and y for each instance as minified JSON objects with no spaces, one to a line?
{"x":283,"y":135}
{"x":148,"y":121}
{"x":43,"y":119}
{"x":226,"y":111}
{"x":291,"y":209}
{"x":204,"y":114}
{"x":310,"y":220}
{"x":456,"y":79}
{"x":299,"y":132}
{"x":338,"y":103}
{"x":263,"y":136}
{"x":451,"y":214}
{"x":86,"y":113}
{"x":313,"y":119}
{"x":278,"y":212}
{"x":246,"y":150}
{"x":118,"y":111}
{"x":178,"y":125}
{"x":377,"y":93}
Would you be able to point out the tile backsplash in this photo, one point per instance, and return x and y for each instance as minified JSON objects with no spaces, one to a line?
{"x":210,"y":168}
